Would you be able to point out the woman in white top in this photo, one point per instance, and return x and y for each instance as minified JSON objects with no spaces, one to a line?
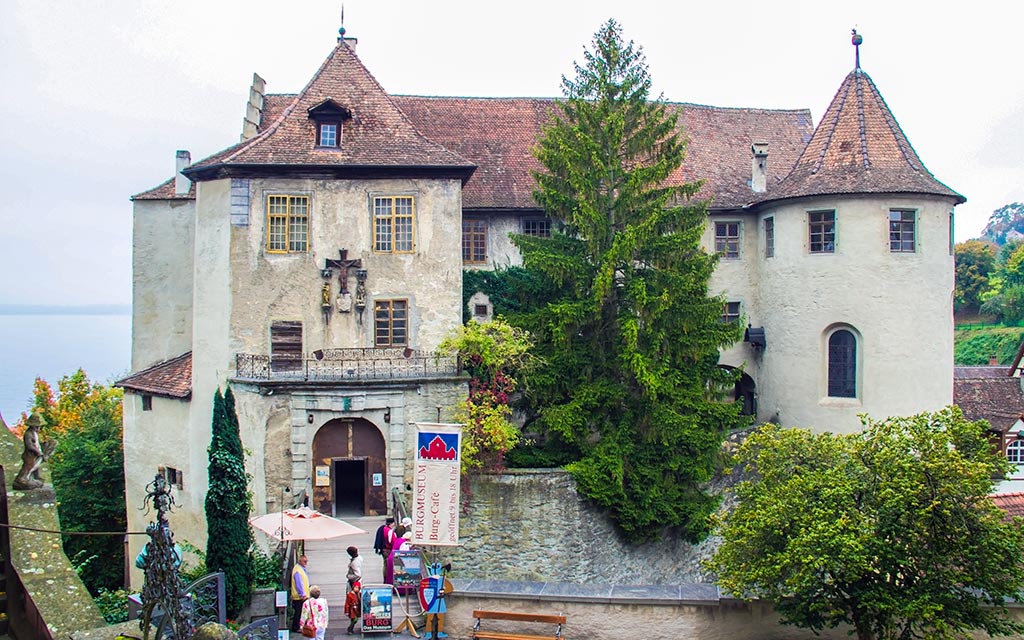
{"x":315,"y":609}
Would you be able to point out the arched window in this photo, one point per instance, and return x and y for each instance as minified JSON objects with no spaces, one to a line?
{"x":842,"y":365}
{"x":1015,"y":452}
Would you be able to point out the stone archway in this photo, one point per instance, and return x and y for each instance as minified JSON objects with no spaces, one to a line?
{"x":348,"y":455}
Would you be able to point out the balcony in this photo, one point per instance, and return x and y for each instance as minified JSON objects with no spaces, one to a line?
{"x":346,"y":365}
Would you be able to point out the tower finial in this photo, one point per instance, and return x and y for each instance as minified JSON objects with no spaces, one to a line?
{"x":341,"y":29}
{"x":856,"y":40}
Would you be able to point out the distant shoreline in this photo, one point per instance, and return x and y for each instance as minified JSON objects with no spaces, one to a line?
{"x":65,"y":310}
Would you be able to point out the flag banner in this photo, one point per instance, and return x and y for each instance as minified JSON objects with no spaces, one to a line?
{"x":435,"y":509}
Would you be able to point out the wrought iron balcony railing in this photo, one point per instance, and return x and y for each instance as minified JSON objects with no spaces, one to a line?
{"x":346,"y":364}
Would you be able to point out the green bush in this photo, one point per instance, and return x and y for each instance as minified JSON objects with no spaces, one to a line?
{"x":268,"y":568}
{"x":113,"y":605}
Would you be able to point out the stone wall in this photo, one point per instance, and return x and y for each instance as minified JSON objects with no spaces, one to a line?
{"x":532,"y":525}
{"x":600,"y":612}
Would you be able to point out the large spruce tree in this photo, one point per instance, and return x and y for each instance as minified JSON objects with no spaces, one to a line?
{"x":626,"y":326}
{"x":229,"y":538}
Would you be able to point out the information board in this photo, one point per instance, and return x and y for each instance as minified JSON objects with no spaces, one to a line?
{"x":377,"y":600}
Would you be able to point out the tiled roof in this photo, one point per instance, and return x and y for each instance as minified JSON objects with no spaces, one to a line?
{"x":166,"y":192}
{"x":171,"y":378}
{"x":858,"y":147}
{"x":998,"y":400}
{"x":498,"y":134}
{"x":982,"y":371}
{"x":1011,"y":503}
{"x":377,"y":135}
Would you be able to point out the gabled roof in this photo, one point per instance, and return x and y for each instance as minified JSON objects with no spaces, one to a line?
{"x":171,"y":378}
{"x":498,"y":134}
{"x":858,"y":147}
{"x":378,"y":136}
{"x":1000,"y":401}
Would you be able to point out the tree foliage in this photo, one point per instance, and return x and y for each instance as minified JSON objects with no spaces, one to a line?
{"x":87,"y":470}
{"x":624,"y":323}
{"x":975,"y":260}
{"x":228,"y":504}
{"x":493,"y":354}
{"x":889,"y":530}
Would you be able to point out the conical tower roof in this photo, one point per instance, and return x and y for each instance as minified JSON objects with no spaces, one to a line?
{"x":377,"y":137}
{"x":858,"y":147}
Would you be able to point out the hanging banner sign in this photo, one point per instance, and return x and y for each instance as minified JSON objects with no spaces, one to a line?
{"x":435,"y":508}
{"x":376,"y":601}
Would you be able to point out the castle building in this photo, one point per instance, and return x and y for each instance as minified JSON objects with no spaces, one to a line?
{"x":316,"y":266}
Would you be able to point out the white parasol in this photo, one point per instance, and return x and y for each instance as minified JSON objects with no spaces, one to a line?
{"x":302,"y":524}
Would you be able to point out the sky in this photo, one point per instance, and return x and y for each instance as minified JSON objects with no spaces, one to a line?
{"x":98,"y":96}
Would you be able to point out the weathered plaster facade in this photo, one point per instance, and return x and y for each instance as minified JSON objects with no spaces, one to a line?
{"x":340,"y":390}
{"x":904,"y":328}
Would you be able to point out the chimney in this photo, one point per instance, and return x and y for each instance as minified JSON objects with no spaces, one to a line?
{"x":182,"y":159}
{"x":254,"y":108}
{"x":993,"y":360}
{"x":759,"y":167}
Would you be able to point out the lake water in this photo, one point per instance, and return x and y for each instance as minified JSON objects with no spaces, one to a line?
{"x":53,"y":346}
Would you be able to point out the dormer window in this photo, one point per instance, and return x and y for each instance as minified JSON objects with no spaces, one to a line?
{"x":328,"y":118}
{"x":328,"y":134}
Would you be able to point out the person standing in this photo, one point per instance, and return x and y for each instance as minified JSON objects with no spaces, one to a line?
{"x":353,"y":607}
{"x":355,"y":566}
{"x":315,"y":609}
{"x":382,"y":541}
{"x":300,"y":590}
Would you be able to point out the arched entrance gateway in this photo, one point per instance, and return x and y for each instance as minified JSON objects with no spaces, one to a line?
{"x":349,"y":474}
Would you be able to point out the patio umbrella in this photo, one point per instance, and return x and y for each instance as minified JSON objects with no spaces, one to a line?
{"x":302,"y":524}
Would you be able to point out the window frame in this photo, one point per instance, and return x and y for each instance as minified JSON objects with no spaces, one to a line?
{"x":291,"y":222}
{"x":147,"y":402}
{"x":1017,"y":457}
{"x":841,"y":374}
{"x":474,"y":241}
{"x":320,"y":126}
{"x":390,"y":305}
{"x":542,"y":230}
{"x":827,"y":238}
{"x":769,"y":237}
{"x":728,"y":239}
{"x":896,"y":236}
{"x":386,"y":228}
{"x":732,"y":312}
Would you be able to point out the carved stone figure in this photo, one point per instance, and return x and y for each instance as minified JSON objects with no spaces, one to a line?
{"x":33,"y":455}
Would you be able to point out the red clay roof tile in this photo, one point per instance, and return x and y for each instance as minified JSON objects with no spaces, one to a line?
{"x":171,"y":378}
{"x":998,"y":400}
{"x":858,"y":147}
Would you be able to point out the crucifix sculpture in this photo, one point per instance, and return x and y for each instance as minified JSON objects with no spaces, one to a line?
{"x":343,"y":264}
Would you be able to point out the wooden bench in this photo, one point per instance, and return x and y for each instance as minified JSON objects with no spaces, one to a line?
{"x":481,"y":634}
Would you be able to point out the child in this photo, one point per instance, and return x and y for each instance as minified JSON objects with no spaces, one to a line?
{"x":352,"y":606}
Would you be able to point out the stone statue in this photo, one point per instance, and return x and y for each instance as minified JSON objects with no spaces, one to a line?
{"x":33,"y":455}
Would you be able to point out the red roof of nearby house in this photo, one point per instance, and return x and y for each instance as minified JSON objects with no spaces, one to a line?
{"x":1011,"y":503}
{"x":1000,"y":401}
{"x":858,"y":147}
{"x":171,"y":378}
{"x":981,"y":371}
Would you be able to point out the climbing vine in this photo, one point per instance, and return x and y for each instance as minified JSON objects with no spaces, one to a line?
{"x":492,"y":354}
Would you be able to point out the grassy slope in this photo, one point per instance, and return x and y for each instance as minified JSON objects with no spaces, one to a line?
{"x":972,"y":345}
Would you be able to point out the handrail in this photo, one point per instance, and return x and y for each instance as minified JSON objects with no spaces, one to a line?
{"x":351,"y":364}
